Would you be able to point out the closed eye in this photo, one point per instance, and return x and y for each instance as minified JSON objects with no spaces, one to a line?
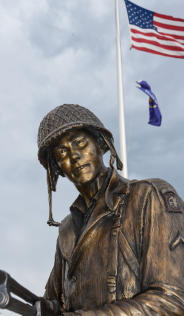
{"x":80,"y":143}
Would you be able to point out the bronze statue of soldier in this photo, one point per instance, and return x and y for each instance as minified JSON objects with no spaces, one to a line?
{"x":121,"y":249}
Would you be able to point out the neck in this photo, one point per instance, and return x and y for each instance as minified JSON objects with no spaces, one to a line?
{"x":88,"y":190}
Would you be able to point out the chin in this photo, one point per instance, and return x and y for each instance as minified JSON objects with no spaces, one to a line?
{"x":88,"y":178}
{"x":85,"y":179}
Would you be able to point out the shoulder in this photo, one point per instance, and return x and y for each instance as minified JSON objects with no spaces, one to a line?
{"x":163,"y":190}
{"x":160,"y":184}
{"x":66,"y":225}
{"x":67,"y":237}
{"x":152,"y":184}
{"x":172,"y":200}
{"x":65,"y":222}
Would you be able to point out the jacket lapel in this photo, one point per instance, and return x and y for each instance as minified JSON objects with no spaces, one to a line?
{"x":67,"y":237}
{"x":104,"y":207}
{"x":99,"y":213}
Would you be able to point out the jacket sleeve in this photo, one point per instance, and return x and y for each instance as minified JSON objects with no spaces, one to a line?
{"x":161,"y":254}
{"x":53,"y":288}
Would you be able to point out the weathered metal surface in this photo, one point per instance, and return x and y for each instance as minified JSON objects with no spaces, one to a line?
{"x":136,"y":269}
{"x":9,"y":287}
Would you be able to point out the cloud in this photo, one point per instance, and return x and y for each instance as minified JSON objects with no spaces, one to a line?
{"x":55,"y":52}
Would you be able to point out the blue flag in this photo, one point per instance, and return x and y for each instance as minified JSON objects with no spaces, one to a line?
{"x":155,"y":116}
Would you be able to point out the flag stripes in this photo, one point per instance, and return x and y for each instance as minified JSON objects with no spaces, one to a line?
{"x":153,"y":50}
{"x":168,"y":41}
{"x":169,"y":47}
{"x":151,"y":36}
{"x":155,"y":33}
{"x":168,"y":17}
{"x":169,"y":27}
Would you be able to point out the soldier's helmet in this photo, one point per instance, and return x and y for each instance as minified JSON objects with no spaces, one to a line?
{"x":57,"y":122}
{"x":64,"y":118}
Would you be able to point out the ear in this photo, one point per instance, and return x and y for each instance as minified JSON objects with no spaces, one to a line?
{"x":58,"y":169}
{"x":101,"y":150}
{"x":54,"y":165}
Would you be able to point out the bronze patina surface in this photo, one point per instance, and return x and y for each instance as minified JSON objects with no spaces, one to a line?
{"x":121,"y":249}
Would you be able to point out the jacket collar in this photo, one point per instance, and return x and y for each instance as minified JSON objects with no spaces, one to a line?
{"x":106,"y":204}
{"x":117,"y":185}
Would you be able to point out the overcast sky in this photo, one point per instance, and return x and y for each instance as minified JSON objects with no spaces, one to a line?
{"x":54,"y":52}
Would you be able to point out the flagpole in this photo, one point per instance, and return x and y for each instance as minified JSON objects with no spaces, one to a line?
{"x":122,"y":136}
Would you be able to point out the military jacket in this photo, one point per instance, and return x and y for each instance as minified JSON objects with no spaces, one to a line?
{"x":133,"y":268}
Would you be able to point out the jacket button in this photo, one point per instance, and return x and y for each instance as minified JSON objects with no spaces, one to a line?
{"x":74,"y":278}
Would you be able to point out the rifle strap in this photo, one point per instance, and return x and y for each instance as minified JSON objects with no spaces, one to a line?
{"x":113,"y":251}
{"x":63,"y":301}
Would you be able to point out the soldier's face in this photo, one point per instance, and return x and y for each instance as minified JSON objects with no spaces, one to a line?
{"x":79,"y":157}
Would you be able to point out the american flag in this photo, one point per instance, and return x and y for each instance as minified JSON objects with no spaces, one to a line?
{"x":155,"y":33}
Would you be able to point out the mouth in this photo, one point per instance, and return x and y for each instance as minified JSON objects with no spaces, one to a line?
{"x":78,"y":169}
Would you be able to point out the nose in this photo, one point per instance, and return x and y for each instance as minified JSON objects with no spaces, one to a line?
{"x":75,"y":155}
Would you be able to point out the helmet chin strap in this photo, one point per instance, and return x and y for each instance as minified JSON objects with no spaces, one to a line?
{"x":114,"y":155}
{"x":52,"y":176}
{"x":50,"y":186}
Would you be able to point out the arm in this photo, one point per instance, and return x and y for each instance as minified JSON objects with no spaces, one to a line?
{"x":53,"y":288}
{"x":18,"y":299}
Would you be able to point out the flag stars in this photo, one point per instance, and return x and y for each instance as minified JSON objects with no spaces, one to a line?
{"x":142,"y":21}
{"x":139,"y":16}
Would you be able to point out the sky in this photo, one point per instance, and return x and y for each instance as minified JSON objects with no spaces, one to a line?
{"x":54,"y":52}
